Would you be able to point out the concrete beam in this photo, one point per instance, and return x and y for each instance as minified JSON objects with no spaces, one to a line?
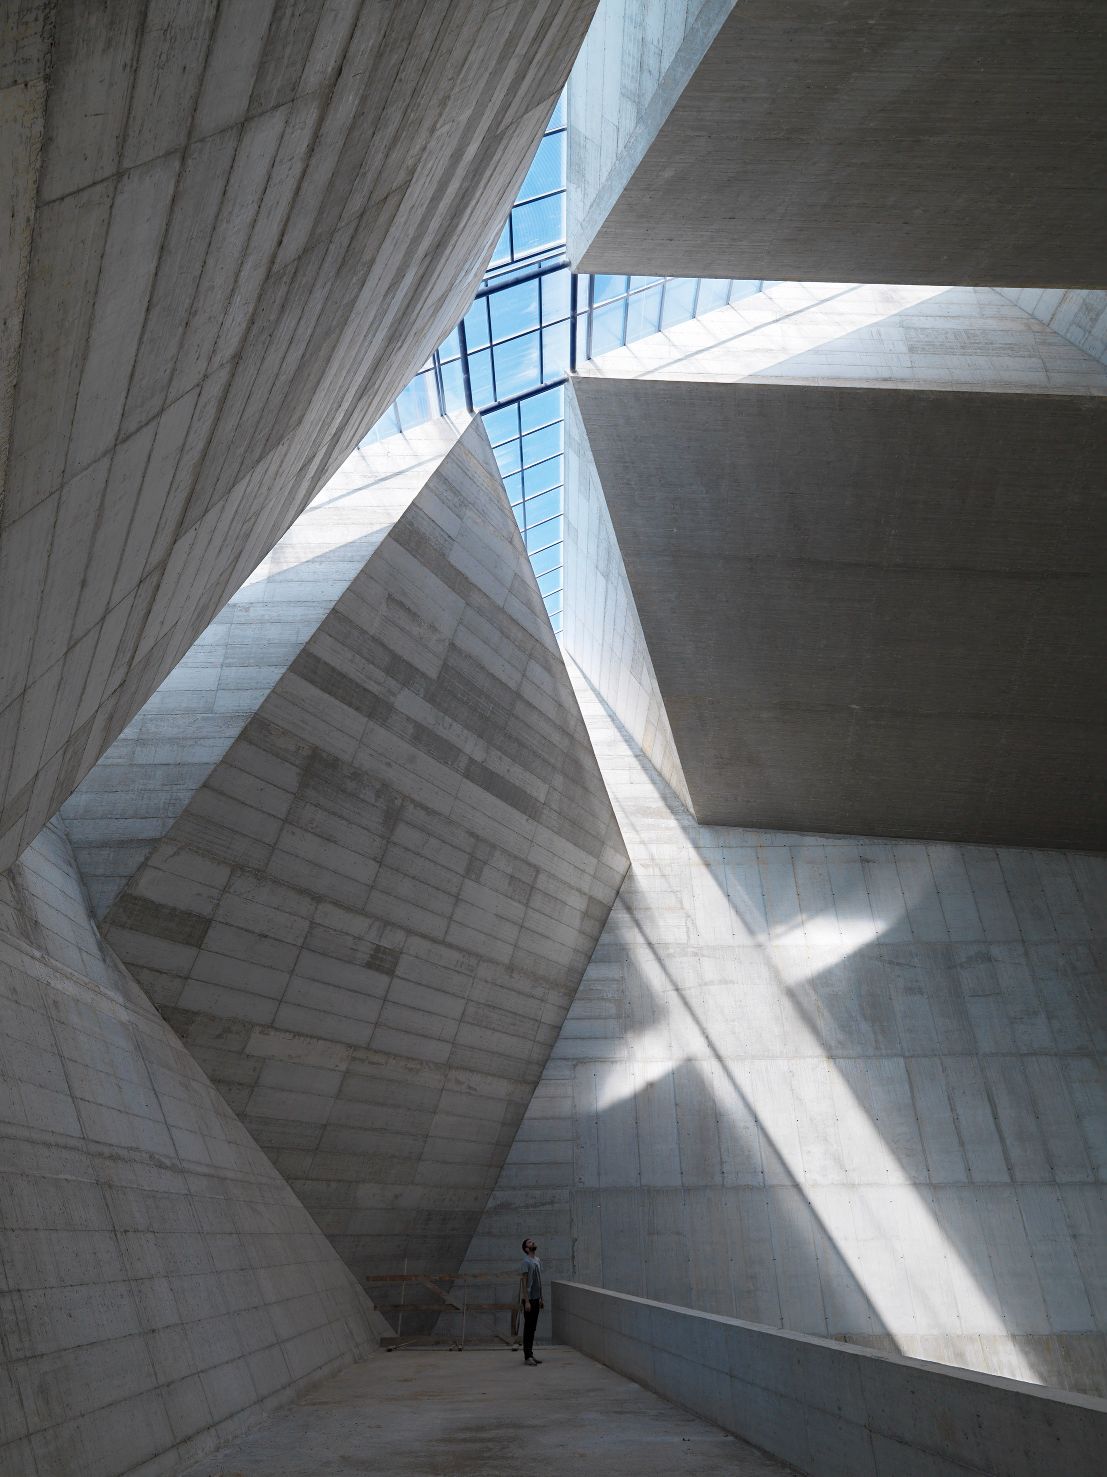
{"x":234,"y":232}
{"x":958,"y":141}
{"x":873,"y":605}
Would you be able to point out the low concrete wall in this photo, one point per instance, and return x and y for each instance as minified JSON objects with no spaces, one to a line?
{"x":831,"y":1409}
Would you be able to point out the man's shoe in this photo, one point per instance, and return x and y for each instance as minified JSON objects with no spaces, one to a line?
{"x":532,"y":1360}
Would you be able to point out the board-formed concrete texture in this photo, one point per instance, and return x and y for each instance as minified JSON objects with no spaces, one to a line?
{"x":370,"y":920}
{"x":869,"y":562}
{"x":161,"y":1287}
{"x":635,"y":61}
{"x":232,"y":233}
{"x":830,"y":1412}
{"x":1079,"y":316}
{"x":843,"y":1087}
{"x":127,"y":803}
{"x":960,"y":140}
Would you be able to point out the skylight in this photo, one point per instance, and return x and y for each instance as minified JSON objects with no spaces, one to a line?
{"x":530,"y":322}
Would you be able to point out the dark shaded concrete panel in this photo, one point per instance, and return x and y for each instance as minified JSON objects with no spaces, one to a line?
{"x":234,"y":232}
{"x":162,"y":1287}
{"x":369,"y":921}
{"x":957,"y":141}
{"x":870,"y":611}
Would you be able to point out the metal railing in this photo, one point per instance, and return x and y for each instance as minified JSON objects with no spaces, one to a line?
{"x":452,"y":1300}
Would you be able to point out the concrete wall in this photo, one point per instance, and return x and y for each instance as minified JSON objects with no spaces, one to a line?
{"x":160,"y":1285}
{"x":871,"y":584}
{"x":838,"y":1086}
{"x":127,"y":803}
{"x":957,"y":141}
{"x":369,"y":921}
{"x":1080,"y":316}
{"x":601,"y":626}
{"x":830,"y":1411}
{"x":233,"y":231}
{"x":633,"y":65}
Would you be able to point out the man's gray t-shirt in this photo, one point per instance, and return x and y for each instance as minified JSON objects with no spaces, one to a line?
{"x":531,"y":1269}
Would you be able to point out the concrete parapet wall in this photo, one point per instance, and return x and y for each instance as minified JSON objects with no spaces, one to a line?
{"x":831,"y":1410}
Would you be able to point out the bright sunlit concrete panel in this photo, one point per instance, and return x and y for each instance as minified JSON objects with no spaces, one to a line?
{"x":834,"y":1085}
{"x":232,"y":233}
{"x":960,"y":140}
{"x":602,"y":632}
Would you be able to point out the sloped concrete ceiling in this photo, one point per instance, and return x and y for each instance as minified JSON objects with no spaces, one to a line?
{"x":870,"y":611}
{"x":368,"y":923}
{"x":232,"y":232}
{"x":955,"y":141}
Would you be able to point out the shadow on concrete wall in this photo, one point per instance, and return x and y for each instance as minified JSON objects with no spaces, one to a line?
{"x":928,"y":1160}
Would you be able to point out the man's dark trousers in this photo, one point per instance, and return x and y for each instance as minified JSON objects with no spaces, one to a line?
{"x":530,"y":1322}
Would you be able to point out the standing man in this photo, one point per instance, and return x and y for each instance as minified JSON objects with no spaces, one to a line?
{"x":530,"y":1273}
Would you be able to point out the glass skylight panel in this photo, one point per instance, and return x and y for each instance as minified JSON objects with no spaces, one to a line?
{"x":538,"y":445}
{"x":547,"y":173}
{"x":546,"y":559}
{"x":514,"y":309}
{"x":679,"y":301}
{"x":541,"y":410}
{"x":542,"y":536}
{"x":508,"y":456}
{"x":518,"y":365}
{"x":538,"y":225}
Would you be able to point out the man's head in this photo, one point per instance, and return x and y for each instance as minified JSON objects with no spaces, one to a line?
{"x":529,"y":1246}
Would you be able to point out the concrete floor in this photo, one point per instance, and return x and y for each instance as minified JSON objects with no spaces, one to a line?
{"x":442,"y":1414}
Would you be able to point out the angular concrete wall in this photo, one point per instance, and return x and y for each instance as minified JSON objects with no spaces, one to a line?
{"x":834,"y":1085}
{"x":369,"y":921}
{"x":869,"y":565}
{"x":160,"y":1285}
{"x":1079,"y":316}
{"x":234,"y":232}
{"x":959,"y":141}
{"x":130,"y":799}
{"x":635,"y":62}
{"x":602,"y":633}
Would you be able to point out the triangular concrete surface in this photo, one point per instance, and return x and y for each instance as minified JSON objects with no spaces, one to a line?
{"x":369,"y":919}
